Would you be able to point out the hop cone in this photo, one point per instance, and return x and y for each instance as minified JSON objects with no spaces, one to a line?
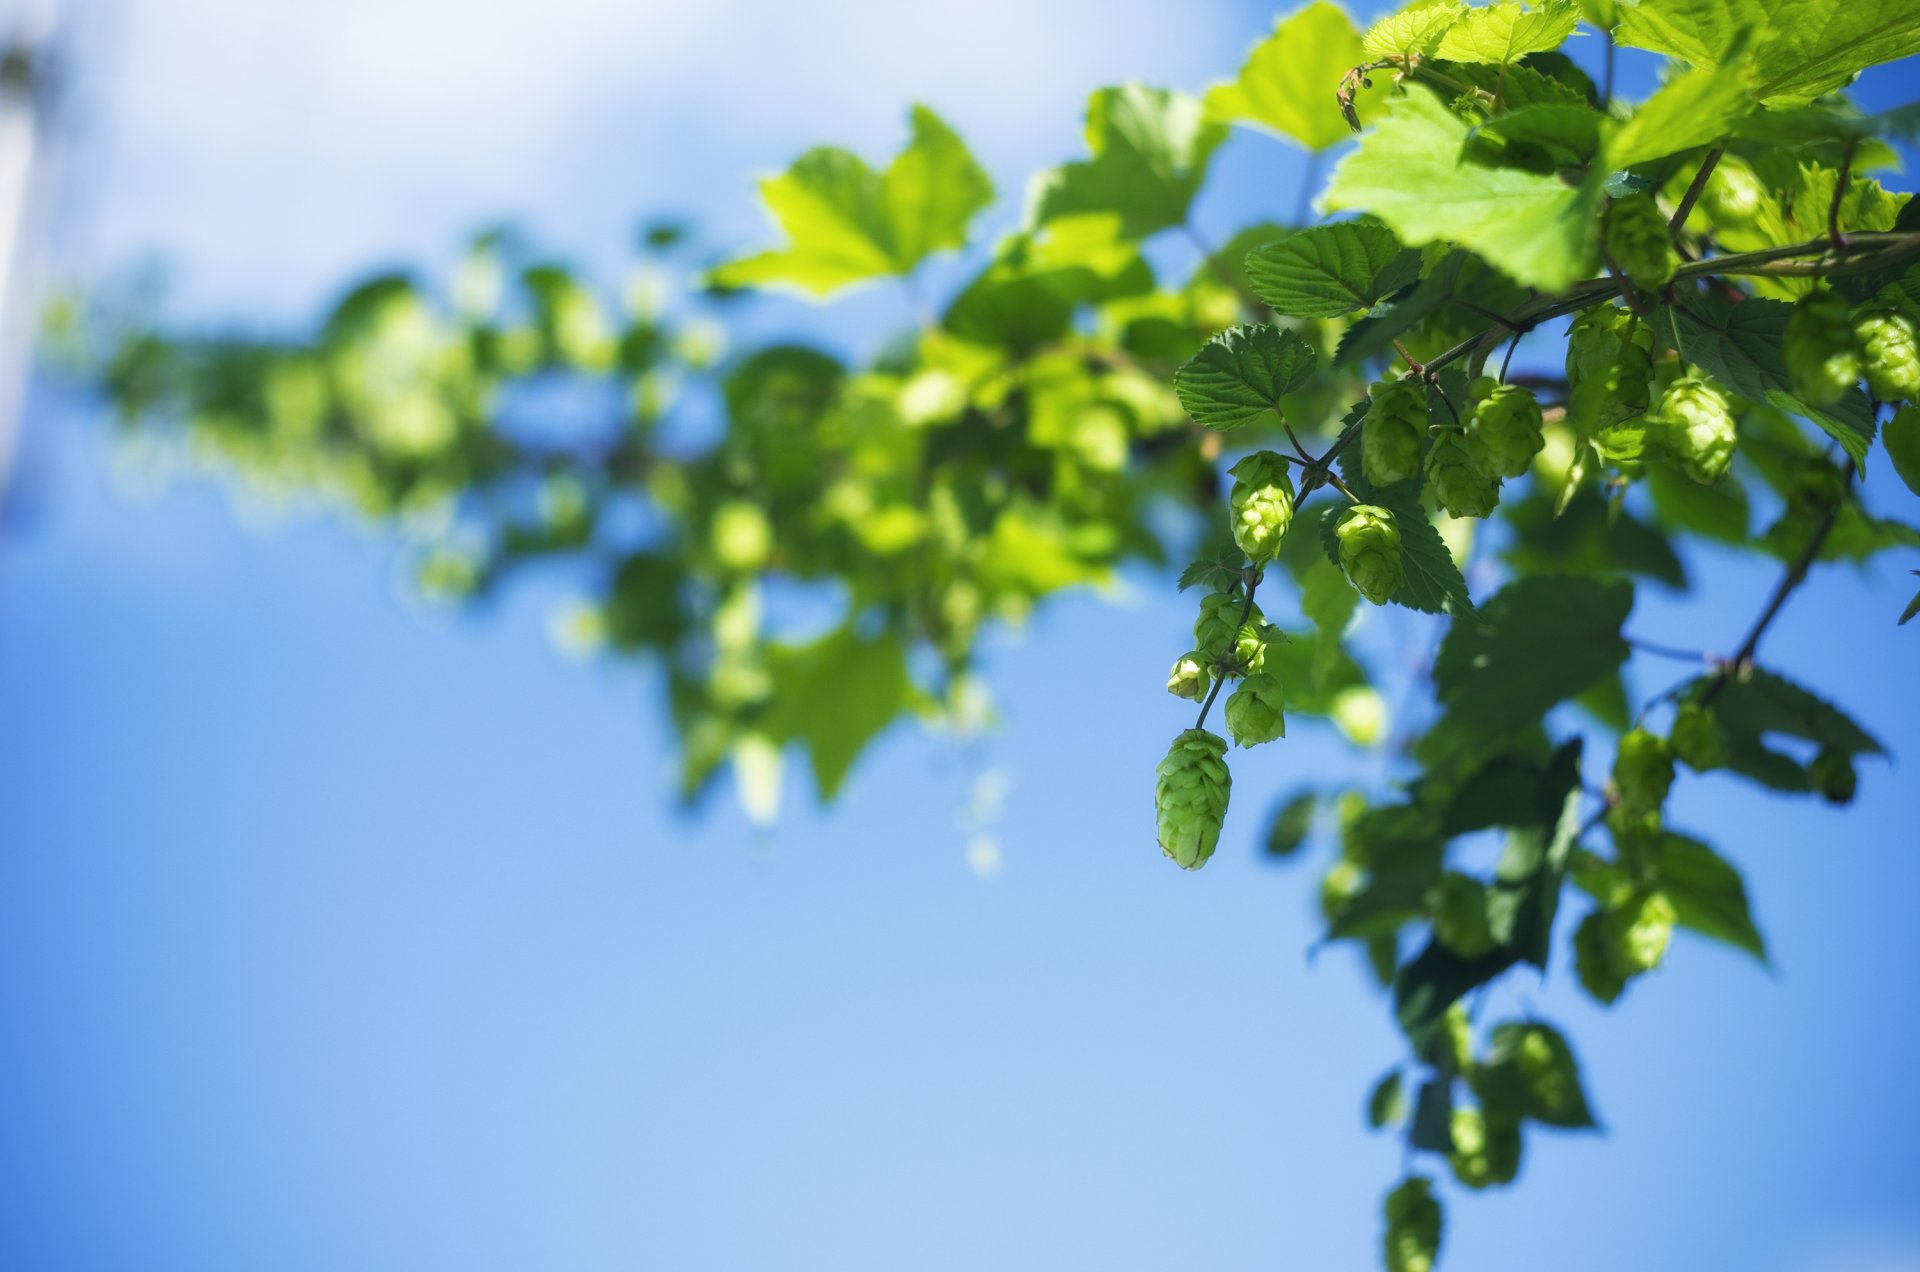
{"x":1190,"y":797}
{"x":1611,"y":947}
{"x":1609,"y":368}
{"x":1833,"y":776}
{"x":1460,"y":915}
{"x":1255,"y":711}
{"x":1218,"y":627}
{"x":1642,"y":771}
{"x":1262,"y":504}
{"x":1486,"y":1148}
{"x":1637,"y":239}
{"x":1462,"y":488}
{"x":1699,"y":740}
{"x":1503,"y":428}
{"x":1734,"y":194}
{"x":1189,"y":677}
{"x":1390,"y":437}
{"x":1823,"y":358}
{"x":1370,"y":551}
{"x":1889,"y":353}
{"x":1413,"y":1227}
{"x":1696,"y":425}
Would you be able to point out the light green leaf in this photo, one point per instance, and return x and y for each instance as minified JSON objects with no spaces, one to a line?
{"x":1328,"y":601}
{"x":1902,"y":439}
{"x":1331,"y":270}
{"x":1409,"y":172}
{"x":1241,"y":373}
{"x":1569,"y":133}
{"x":1801,"y":48}
{"x":1415,"y":31}
{"x":1292,"y":823}
{"x":1150,"y":151}
{"x":1286,"y":84}
{"x":1503,"y":33}
{"x":834,"y":696}
{"x":1537,"y":642}
{"x":846,"y":224}
{"x":1694,"y":109}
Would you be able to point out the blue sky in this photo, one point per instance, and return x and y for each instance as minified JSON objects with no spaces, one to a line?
{"x":339,"y":932}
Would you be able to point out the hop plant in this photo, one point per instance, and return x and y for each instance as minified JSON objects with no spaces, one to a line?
{"x":1889,"y":355}
{"x":1255,"y":711}
{"x":1503,"y":427}
{"x":1637,"y":239}
{"x":1695,"y":419}
{"x":1190,"y":797}
{"x":1189,"y":678}
{"x":1821,"y":350}
{"x":1459,"y":905}
{"x":1460,"y":485}
{"x":1642,"y":771}
{"x":1833,"y":776}
{"x":1698,"y":739}
{"x":1261,"y":503}
{"x":1370,"y":551}
{"x":1413,"y":1226}
{"x":1390,"y":436}
{"x":1609,"y":368}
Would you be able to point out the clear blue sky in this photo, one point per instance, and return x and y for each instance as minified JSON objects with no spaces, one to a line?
{"x":337,"y":933}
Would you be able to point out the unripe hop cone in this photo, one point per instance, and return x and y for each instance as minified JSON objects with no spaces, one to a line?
{"x":1503,"y":427}
{"x":1256,"y":711}
{"x":1699,"y":740}
{"x":1370,"y":551}
{"x":1637,"y":239}
{"x":1189,"y":678}
{"x":1457,"y":481}
{"x":1391,"y":434}
{"x":1695,"y":420}
{"x":1822,"y":353}
{"x":1642,"y":771}
{"x":1413,"y":1227}
{"x":1217,"y":629}
{"x":1833,"y":776}
{"x":1190,"y":797}
{"x":1889,"y":354}
{"x":1261,"y":503}
{"x":1609,"y":368}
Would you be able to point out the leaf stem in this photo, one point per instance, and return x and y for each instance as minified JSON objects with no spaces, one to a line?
{"x":1694,"y":188}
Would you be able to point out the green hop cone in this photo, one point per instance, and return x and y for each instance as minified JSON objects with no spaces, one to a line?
{"x":1459,"y":484}
{"x":1609,"y":368}
{"x":1219,"y":626}
{"x":1822,"y":354}
{"x":1833,"y":776}
{"x":1734,"y":195}
{"x":1642,"y":771}
{"x":1261,"y":503}
{"x":1413,"y":1226}
{"x":1255,"y":711}
{"x":1189,"y":678}
{"x":1370,"y":551}
{"x":1613,"y":946}
{"x":1459,"y":905}
{"x":1695,"y":423}
{"x":1343,"y":881}
{"x":1486,"y":1148}
{"x":1503,"y":427}
{"x":1390,"y":436}
{"x":1699,"y":740}
{"x":1637,"y":239}
{"x":1190,"y":797}
{"x":1889,"y":354}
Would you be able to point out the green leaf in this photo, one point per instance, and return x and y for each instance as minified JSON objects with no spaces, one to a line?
{"x":1503,"y":33}
{"x":1740,"y":346}
{"x":1527,"y":881}
{"x":1436,"y":979}
{"x":1387,"y":1104}
{"x":847,"y":224}
{"x":1039,"y":281}
{"x":1569,"y":132}
{"x":1587,"y":537}
{"x":1218,"y":570}
{"x":1433,"y":1117}
{"x":1415,"y":31}
{"x":1760,"y":703}
{"x":1707,"y":893}
{"x":1902,"y":439}
{"x":1150,"y":151}
{"x":1530,"y":1067}
{"x":1694,"y":109}
{"x":1537,"y":642}
{"x":1331,"y":270}
{"x":1409,"y":172}
{"x":1329,"y":601}
{"x":1801,"y":48}
{"x":1913,"y":607}
{"x":834,"y":696}
{"x":1286,"y":84}
{"x":1292,"y":823}
{"x":1242,"y":373}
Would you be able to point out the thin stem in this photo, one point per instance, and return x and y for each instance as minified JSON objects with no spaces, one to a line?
{"x":1606,"y":73}
{"x":1667,"y":651}
{"x":1698,"y":184}
{"x":1507,"y":361}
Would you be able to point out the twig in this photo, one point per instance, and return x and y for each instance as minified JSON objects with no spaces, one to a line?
{"x":1692,"y":195}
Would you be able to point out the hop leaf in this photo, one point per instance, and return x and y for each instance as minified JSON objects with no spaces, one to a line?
{"x":1643,"y":771}
{"x":1822,"y":354}
{"x":1255,"y":711}
{"x":1459,"y":904}
{"x":1189,"y":678}
{"x":1261,"y":503}
{"x":1695,"y":420}
{"x":1889,"y":355}
{"x":1609,"y":368}
{"x":1390,"y":437}
{"x":1413,"y":1227}
{"x":1462,"y":488}
{"x":1370,"y":551}
{"x":1503,"y":427}
{"x":1698,"y":738}
{"x":1637,"y":239}
{"x":1190,"y":797}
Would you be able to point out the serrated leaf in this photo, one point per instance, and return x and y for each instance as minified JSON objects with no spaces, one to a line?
{"x":1430,"y":580}
{"x":1800,"y":49}
{"x":1387,"y":1103}
{"x":846,"y":223}
{"x":1761,"y":703}
{"x":1694,"y":109}
{"x":1331,"y":270}
{"x":1525,"y":894}
{"x":1568,"y":132}
{"x":1503,"y":33}
{"x":1707,"y":893}
{"x":1286,"y":84}
{"x":1242,"y":373}
{"x":1415,"y":31}
{"x":1218,"y":570}
{"x":1150,"y":151}
{"x":1409,"y":172}
{"x":1537,"y":642}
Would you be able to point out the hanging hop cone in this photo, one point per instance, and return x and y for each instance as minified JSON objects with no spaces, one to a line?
{"x":1699,"y":740}
{"x":1219,"y":626}
{"x":1889,"y":355}
{"x":1256,"y":712}
{"x":1503,"y":427}
{"x":1822,"y":354}
{"x":1638,"y":241}
{"x":1734,"y":195}
{"x":1833,"y":776}
{"x":1190,"y":797}
{"x":1370,"y":551}
{"x":1459,"y":484}
{"x":1486,"y":1147}
{"x":1189,"y":678}
{"x":1695,"y":423}
{"x":1609,"y":368}
{"x":1642,"y":771}
{"x":1261,"y":503}
{"x":1611,"y":947}
{"x":1413,"y":1227}
{"x":1395,"y":424}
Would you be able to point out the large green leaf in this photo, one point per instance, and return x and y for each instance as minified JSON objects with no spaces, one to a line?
{"x":834,"y":696}
{"x":846,"y":223}
{"x":1707,"y":893}
{"x":1537,"y":642}
{"x":1150,"y":151}
{"x":1242,"y":373}
{"x":1800,"y":49}
{"x":1410,"y":172}
{"x":1693,"y":109}
{"x":1331,"y":270}
{"x":1503,"y":33}
{"x":1286,"y":84}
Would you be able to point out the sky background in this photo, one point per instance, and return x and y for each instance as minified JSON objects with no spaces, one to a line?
{"x":339,"y":932}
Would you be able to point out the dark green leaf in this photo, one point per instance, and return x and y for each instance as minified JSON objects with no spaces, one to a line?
{"x":1539,"y":641}
{"x":1707,"y":893}
{"x":1292,"y":823}
{"x":1387,"y":1104}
